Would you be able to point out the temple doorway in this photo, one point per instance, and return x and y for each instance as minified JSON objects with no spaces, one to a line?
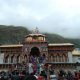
{"x":35,"y":52}
{"x":36,"y":60}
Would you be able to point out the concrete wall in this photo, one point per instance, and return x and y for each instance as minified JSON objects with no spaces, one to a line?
{"x":70,"y":57}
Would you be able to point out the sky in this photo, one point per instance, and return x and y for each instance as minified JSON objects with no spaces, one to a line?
{"x":53,"y":16}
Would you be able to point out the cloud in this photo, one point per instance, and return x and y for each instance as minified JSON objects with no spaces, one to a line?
{"x":54,"y":16}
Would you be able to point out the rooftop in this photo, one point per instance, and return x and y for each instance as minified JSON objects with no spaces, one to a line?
{"x":61,"y":44}
{"x":76,"y":53}
{"x":14,"y":45}
{"x":35,"y":35}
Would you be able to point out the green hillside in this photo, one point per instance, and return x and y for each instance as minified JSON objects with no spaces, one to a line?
{"x":54,"y":38}
{"x":13,"y":35}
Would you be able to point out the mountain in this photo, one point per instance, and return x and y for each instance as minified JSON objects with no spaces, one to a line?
{"x":15,"y":34}
{"x":12,"y":34}
{"x":54,"y":38}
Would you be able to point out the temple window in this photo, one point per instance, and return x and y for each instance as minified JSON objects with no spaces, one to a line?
{"x":51,"y":58}
{"x":63,"y":58}
{"x":60,"y":58}
{"x":18,"y":59}
{"x":56,"y":58}
{"x":12,"y":59}
{"x":7,"y":59}
{"x":25,"y":57}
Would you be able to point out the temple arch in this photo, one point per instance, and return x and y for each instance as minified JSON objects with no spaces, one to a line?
{"x":12,"y":59}
{"x":63,"y":57}
{"x":18,"y":59}
{"x":7,"y":59}
{"x":35,"y":52}
{"x":25,"y":57}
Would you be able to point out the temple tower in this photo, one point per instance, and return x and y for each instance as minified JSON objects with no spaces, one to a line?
{"x":35,"y":45}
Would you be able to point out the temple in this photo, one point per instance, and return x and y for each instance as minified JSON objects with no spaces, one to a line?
{"x":58,"y":55}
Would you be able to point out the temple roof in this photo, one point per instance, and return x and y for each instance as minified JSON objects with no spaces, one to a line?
{"x":56,"y":44}
{"x":35,"y":35}
{"x":14,"y":45}
{"x":60,"y":63}
{"x":76,"y":53}
{"x":61,"y":44}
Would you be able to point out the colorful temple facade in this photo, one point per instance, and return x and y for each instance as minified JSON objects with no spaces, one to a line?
{"x":58,"y":55}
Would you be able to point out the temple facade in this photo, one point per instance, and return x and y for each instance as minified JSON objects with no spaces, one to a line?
{"x":58,"y":55}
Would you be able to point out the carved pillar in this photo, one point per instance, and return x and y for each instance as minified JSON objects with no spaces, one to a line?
{"x":63,"y":57}
{"x":21,"y":58}
{"x":54,"y":58}
{"x":15,"y":58}
{"x":51,"y":58}
{"x":9,"y":59}
{"x":60,"y":58}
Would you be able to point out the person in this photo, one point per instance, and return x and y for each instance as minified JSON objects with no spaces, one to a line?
{"x":70,"y":76}
{"x":16,"y":76}
{"x":43,"y":74}
{"x":30,"y":67}
{"x":31,"y":77}
{"x":41,"y":78}
{"x":75,"y":76}
{"x":22,"y":75}
{"x":41,"y":67}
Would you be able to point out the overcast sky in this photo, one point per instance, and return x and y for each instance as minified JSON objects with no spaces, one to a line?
{"x":54,"y":16}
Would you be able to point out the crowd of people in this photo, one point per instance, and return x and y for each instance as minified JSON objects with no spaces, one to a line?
{"x":36,"y":70}
{"x":24,"y":75}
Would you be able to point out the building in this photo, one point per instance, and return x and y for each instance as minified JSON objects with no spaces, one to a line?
{"x":76,"y":56}
{"x":58,"y":55}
